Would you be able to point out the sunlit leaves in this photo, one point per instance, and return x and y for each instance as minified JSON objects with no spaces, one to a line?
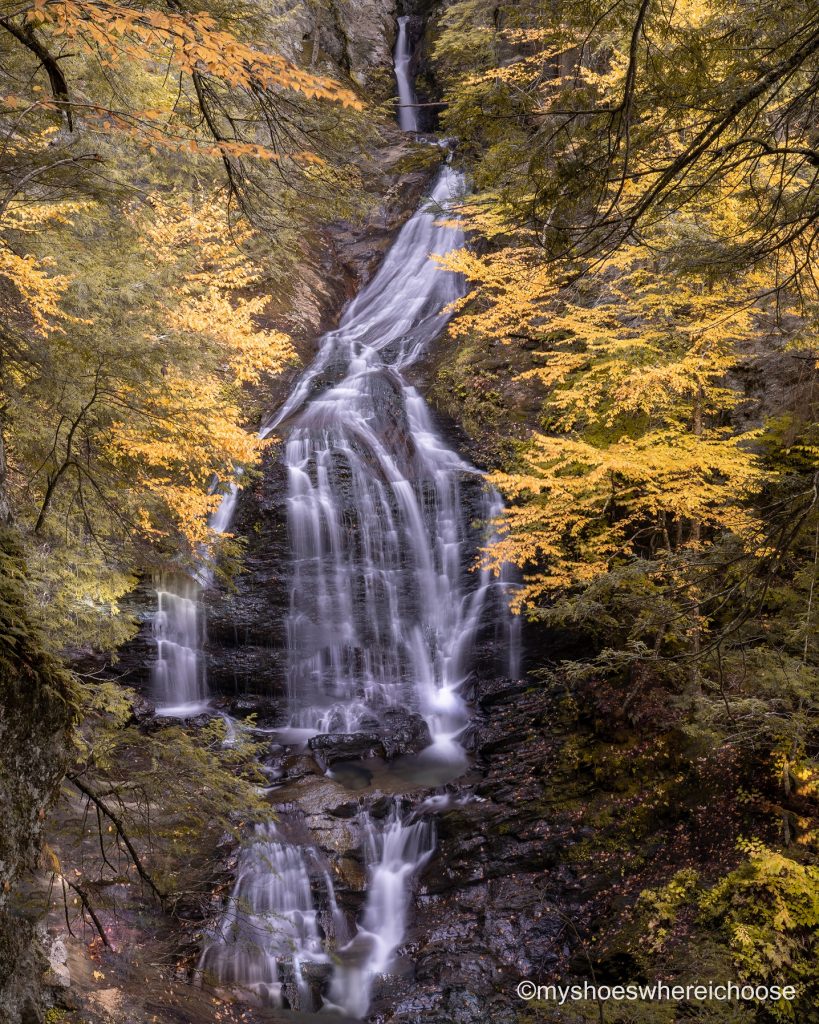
{"x":186,"y":427}
{"x":192,"y":41}
{"x":139,"y":144}
{"x":634,"y":366}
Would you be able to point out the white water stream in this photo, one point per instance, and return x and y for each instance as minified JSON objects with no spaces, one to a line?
{"x":384,"y":611}
{"x":270,"y":920}
{"x":178,"y":676}
{"x":395,"y":853}
{"x":407,"y":100}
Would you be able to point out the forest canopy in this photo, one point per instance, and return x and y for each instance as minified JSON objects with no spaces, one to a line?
{"x":632,"y":365}
{"x":645,"y":182}
{"x":155,"y":168}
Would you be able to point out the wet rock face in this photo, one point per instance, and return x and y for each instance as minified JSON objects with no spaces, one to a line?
{"x":398,"y":734}
{"x":358,"y":37}
{"x":354,"y":39}
{"x":404,"y":732}
{"x":487,"y":915}
{"x":246,"y":646}
{"x":330,"y":748}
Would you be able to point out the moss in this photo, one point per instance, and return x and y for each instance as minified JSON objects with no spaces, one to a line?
{"x":474,"y":384}
{"x":665,"y":891}
{"x":36,"y":714}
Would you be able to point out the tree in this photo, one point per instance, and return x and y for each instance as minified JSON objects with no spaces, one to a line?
{"x":637,"y":110}
{"x":157,"y":176}
{"x":637,"y":455}
{"x":147,"y":155}
{"x":643,"y":198}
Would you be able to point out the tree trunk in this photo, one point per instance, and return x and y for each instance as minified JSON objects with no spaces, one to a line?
{"x":696,"y":534}
{"x":5,"y":503}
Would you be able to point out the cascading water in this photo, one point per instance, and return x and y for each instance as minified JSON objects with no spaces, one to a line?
{"x":384,"y":611}
{"x":407,"y":100}
{"x":178,"y":679}
{"x":270,"y":926}
{"x":395,"y":853}
{"x":179,"y":674}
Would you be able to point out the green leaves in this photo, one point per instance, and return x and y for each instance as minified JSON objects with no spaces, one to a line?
{"x":769,"y":907}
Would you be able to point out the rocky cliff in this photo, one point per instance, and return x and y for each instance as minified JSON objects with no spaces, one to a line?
{"x":35,"y":715}
{"x":355,"y":39}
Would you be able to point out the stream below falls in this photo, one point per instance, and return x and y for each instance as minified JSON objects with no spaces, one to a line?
{"x":385,"y":607}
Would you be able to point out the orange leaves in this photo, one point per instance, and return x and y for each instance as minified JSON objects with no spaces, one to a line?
{"x":191,"y":427}
{"x":514,"y":286}
{"x":193,"y":42}
{"x":249,"y":352}
{"x":38,"y":290}
{"x":576,"y":505}
{"x":634,"y":365}
{"x":213,"y":302}
{"x":187,"y":433}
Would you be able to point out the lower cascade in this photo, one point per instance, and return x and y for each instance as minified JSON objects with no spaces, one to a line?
{"x":385,"y":522}
{"x":270,"y":927}
{"x":395,"y":853}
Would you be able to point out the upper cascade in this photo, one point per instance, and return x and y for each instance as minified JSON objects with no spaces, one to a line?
{"x":407,"y":99}
{"x":383,"y":608}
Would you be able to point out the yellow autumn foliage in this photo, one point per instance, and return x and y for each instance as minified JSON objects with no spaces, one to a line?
{"x":633,"y":366}
{"x":191,"y":428}
{"x":34,"y":291}
{"x":192,"y":40}
{"x":212,"y":298}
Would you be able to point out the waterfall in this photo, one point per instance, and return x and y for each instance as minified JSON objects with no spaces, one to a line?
{"x":270,"y":927}
{"x":178,"y":674}
{"x":407,"y":100}
{"x":178,"y":680}
{"x":385,"y":608}
{"x":395,"y":853}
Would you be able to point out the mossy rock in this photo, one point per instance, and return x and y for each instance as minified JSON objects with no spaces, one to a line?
{"x":36,"y":714}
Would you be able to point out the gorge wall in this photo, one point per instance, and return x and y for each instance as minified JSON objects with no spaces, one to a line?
{"x":35,"y":717}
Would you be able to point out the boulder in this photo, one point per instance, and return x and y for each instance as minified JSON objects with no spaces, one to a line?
{"x":404,"y":732}
{"x":330,"y":748}
{"x":57,"y":976}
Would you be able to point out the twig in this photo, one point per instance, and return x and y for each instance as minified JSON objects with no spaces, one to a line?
{"x":119,"y":826}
